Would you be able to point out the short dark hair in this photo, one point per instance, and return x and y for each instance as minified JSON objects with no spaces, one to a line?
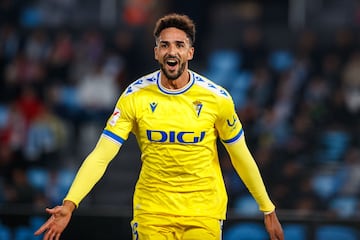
{"x":179,"y":21}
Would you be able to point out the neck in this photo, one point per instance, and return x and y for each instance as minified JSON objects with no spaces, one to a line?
{"x":178,"y":83}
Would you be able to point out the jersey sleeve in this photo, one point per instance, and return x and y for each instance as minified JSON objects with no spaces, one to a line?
{"x":248,"y":170}
{"x":116,"y":131}
{"x":121,"y":121}
{"x":228,"y":124}
{"x":92,"y":169}
{"x":232,"y":135}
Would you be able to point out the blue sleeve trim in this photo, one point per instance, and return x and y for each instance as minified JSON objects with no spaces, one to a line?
{"x":234,"y":139}
{"x":114,"y":136}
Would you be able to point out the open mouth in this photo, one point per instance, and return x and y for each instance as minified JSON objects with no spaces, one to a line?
{"x":172,"y":62}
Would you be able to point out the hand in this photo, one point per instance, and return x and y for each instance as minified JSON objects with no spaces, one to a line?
{"x":59,"y":219}
{"x":273,"y":226}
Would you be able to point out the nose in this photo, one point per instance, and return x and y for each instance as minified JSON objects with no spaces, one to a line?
{"x":172,"y":49}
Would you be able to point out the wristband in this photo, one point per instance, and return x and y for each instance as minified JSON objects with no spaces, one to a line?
{"x":267,"y":213}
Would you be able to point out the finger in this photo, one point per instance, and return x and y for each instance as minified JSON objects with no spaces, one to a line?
{"x":57,"y":236}
{"x":47,"y":235}
{"x":52,"y":210}
{"x":44,"y":227}
{"x":53,"y":235}
{"x":280,"y":235}
{"x":276,"y":237}
{"x":273,"y":236}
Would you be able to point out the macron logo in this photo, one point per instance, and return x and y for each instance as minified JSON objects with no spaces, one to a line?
{"x":153,"y":105}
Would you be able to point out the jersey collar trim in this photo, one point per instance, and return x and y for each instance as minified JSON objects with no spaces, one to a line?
{"x":177,"y":91}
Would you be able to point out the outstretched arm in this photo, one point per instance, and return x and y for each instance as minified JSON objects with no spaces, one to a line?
{"x":90,"y":172}
{"x":247,"y":169}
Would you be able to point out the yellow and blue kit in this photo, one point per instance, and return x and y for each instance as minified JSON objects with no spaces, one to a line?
{"x":177,"y":132}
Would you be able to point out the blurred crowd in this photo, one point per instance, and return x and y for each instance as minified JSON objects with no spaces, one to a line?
{"x":299,"y":106}
{"x":53,"y":81}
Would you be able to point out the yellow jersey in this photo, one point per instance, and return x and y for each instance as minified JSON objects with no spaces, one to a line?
{"x":177,"y":132}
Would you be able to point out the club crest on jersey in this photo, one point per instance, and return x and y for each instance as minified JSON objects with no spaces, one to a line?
{"x":114,"y":117}
{"x":198,"y":106}
{"x":153,"y":106}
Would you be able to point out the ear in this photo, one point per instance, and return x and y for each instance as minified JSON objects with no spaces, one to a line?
{"x":156,"y":53}
{"x":191,"y":53}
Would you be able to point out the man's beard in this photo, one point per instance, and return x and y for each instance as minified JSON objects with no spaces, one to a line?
{"x":175,"y":75}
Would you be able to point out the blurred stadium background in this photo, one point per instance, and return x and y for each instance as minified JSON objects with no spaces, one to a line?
{"x":293,"y":68}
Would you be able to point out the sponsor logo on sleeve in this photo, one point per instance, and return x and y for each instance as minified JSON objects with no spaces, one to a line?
{"x":114,"y":117}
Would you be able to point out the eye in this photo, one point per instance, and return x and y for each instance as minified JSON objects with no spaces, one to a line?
{"x":180,"y":45}
{"x":163,"y":45}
